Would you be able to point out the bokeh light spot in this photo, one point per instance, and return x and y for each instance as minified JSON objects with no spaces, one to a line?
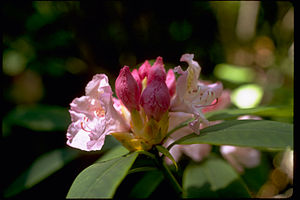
{"x":234,"y":73}
{"x":13,"y":62}
{"x":247,"y":96}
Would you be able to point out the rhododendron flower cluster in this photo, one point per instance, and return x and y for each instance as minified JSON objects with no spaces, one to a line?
{"x":150,"y":103}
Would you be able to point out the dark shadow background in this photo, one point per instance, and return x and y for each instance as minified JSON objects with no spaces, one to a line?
{"x":52,"y":49}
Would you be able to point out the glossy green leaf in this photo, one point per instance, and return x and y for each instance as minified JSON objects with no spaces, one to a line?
{"x":213,"y":178}
{"x":39,"y":118}
{"x":166,"y":152}
{"x":111,"y":149}
{"x":268,"y":111}
{"x":261,"y":134}
{"x":147,"y":184}
{"x":113,"y":153}
{"x":40,"y":169}
{"x":101,"y":179}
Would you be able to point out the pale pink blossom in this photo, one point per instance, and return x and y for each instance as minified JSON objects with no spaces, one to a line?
{"x":195,"y":151}
{"x":94,"y":116}
{"x":191,"y":94}
{"x":241,"y":157}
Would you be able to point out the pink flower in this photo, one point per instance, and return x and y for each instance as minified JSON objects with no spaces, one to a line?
{"x":191,"y":94}
{"x":195,"y":151}
{"x":240,"y":157}
{"x":94,"y":116}
{"x":150,"y":102}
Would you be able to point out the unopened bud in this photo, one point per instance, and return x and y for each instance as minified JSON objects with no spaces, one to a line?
{"x":127,"y":89}
{"x":143,"y":70}
{"x":155,"y":99}
{"x":157,"y":71}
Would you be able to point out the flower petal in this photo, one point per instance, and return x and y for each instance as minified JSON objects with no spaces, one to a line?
{"x":94,"y":116}
{"x":171,"y":82}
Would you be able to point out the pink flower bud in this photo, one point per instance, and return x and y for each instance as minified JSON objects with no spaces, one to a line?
{"x":171,"y":82}
{"x":127,"y":89}
{"x":155,"y":99}
{"x":143,"y":70}
{"x":137,"y":78}
{"x":157,"y":71}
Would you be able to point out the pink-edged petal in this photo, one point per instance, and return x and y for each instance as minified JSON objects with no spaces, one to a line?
{"x":171,"y":82}
{"x":98,"y":85}
{"x":208,"y":93}
{"x":177,"y":103}
{"x":220,"y":103}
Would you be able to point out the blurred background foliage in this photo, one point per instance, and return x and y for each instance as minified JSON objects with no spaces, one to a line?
{"x":52,"y":49}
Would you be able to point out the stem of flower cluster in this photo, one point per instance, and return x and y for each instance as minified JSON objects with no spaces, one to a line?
{"x":167,"y":173}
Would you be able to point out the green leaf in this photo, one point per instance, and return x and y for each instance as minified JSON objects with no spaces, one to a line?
{"x":166,"y":152}
{"x":39,"y":118}
{"x":101,"y":179}
{"x":261,"y":134}
{"x":212,"y":178}
{"x":112,"y":148}
{"x":147,"y":184}
{"x":40,"y":169}
{"x":113,"y":153}
{"x":270,"y":111}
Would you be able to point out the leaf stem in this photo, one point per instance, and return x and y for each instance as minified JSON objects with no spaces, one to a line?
{"x":147,"y":154}
{"x":167,"y":173}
